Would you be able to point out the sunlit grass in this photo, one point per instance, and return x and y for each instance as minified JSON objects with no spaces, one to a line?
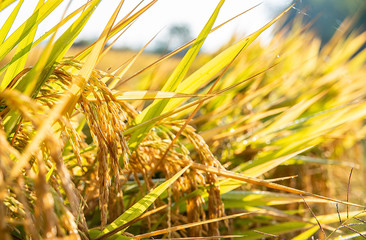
{"x":254,"y":141}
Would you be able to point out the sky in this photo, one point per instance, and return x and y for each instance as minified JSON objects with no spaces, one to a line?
{"x":162,"y":15}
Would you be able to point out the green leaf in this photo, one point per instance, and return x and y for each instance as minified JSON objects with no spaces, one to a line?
{"x":43,"y":37}
{"x":5,"y":3}
{"x":27,"y":26}
{"x":58,"y":51}
{"x":9,"y":22}
{"x":157,"y":107}
{"x":117,"y":28}
{"x":140,"y":207}
{"x":242,"y":199}
{"x":210,"y":69}
{"x":291,"y":114}
{"x":32,"y":82}
{"x":350,"y":236}
{"x":259,"y":167}
{"x":307,"y":234}
{"x":148,"y":95}
{"x":24,"y":47}
{"x":275,"y":230}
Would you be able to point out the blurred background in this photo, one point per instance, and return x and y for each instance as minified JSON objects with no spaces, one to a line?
{"x":327,"y":16}
{"x":176,"y":21}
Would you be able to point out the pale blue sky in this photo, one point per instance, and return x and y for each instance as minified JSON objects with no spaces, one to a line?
{"x":164,"y":13}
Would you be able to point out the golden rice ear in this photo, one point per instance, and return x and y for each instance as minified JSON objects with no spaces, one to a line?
{"x":67,"y":184}
{"x":215,"y":205}
{"x":275,"y":118}
{"x":106,"y":121}
{"x":33,"y":113}
{"x":46,"y":218}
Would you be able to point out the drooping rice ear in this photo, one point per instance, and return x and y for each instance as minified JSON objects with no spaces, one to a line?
{"x":72,"y":193}
{"x":44,"y":207}
{"x":215,"y":205}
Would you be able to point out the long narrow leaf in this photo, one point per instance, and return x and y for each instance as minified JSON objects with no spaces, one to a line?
{"x":33,"y":81}
{"x":172,"y":83}
{"x":44,"y":36}
{"x":9,"y":22}
{"x":5,"y":3}
{"x":24,"y":47}
{"x":117,"y":28}
{"x":59,"y":49}
{"x":138,"y":208}
{"x":27,"y":26}
{"x":91,"y":62}
{"x":210,"y":69}
{"x":188,"y":225}
{"x":259,"y":182}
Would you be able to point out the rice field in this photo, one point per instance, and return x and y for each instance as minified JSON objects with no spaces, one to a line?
{"x":253,"y":141}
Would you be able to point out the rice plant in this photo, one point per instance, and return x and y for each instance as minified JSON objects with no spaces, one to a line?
{"x":255,"y":142}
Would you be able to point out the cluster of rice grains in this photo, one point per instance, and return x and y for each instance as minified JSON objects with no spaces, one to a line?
{"x":35,"y":192}
{"x":84,"y":175}
{"x":147,"y":160}
{"x":106,"y":119}
{"x":37,"y":196}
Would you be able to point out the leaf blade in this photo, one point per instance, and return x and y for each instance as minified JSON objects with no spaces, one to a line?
{"x":138,"y":208}
{"x":9,"y":22}
{"x":172,"y":83}
{"x":25,"y":47}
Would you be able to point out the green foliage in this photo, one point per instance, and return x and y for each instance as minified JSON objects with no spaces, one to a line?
{"x":270,"y":147}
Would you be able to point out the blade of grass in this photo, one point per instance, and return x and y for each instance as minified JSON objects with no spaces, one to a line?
{"x":275,"y":229}
{"x":228,"y":185}
{"x":168,"y":55}
{"x":44,"y":36}
{"x":307,"y":234}
{"x":315,"y":128}
{"x":193,"y":113}
{"x":91,"y":61}
{"x":122,"y":73}
{"x":109,"y":47}
{"x":125,"y":28}
{"x":116,"y":29}
{"x":138,"y":208}
{"x":205,"y":238}
{"x":292,"y":113}
{"x":210,"y":69}
{"x":5,"y":3}
{"x":267,"y":165}
{"x":191,"y":104}
{"x":9,"y":22}
{"x":172,"y":83}
{"x":306,"y":159}
{"x":27,"y":26}
{"x":23,"y":46}
{"x":241,"y":199}
{"x":256,"y":181}
{"x":33,"y":81}
{"x":127,"y":224}
{"x":149,"y":95}
{"x":188,"y":225}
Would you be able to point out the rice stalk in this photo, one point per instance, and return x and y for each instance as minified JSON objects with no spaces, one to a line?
{"x":66,"y":170}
